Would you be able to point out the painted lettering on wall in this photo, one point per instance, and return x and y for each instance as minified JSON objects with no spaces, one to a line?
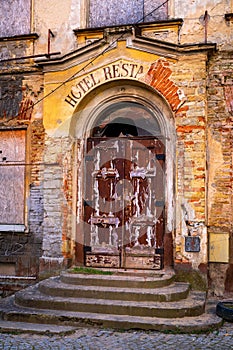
{"x":110,"y":72}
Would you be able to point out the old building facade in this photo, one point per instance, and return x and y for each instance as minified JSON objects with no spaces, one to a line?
{"x":116,"y":136}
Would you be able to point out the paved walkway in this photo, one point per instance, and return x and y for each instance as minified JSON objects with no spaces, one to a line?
{"x":106,"y":339}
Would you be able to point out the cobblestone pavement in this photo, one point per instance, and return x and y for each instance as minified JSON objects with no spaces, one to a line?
{"x":107,"y":339}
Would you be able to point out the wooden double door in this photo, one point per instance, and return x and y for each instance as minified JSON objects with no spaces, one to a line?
{"x":124,"y":202}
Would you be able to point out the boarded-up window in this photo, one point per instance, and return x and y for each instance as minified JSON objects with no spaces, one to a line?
{"x":15,"y":17}
{"x":12,"y":176}
{"x":115,"y":12}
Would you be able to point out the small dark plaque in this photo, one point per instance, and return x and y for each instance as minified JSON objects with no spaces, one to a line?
{"x":160,"y":156}
{"x":192,"y":244}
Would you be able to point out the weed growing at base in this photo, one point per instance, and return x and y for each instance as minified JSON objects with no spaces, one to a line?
{"x":89,"y":270}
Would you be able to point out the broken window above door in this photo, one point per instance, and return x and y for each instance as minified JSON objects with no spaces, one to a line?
{"x":126,"y":119}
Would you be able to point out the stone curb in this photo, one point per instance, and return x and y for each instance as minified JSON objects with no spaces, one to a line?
{"x":35,"y":328}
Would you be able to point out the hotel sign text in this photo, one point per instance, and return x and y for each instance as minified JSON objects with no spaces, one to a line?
{"x":105,"y":74}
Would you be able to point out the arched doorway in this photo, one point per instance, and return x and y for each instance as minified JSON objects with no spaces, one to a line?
{"x":125,"y":132}
{"x":124,"y":207}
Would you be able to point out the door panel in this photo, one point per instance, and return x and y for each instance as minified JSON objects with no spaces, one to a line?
{"x":124,"y":200}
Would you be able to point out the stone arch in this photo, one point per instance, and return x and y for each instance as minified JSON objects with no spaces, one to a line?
{"x":107,"y":94}
{"x":88,"y":112}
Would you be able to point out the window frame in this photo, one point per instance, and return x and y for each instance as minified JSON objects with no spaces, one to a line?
{"x":19,"y":227}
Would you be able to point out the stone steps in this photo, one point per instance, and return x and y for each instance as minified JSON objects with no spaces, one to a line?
{"x":135,"y":280}
{"x":55,"y":287}
{"x":17,"y":315}
{"x":124,"y":300}
{"x":192,"y":306}
{"x":35,"y":328}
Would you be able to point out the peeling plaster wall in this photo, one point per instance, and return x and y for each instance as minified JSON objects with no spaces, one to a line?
{"x":58,"y":200}
{"x":21,"y":84}
{"x":190,"y":75}
{"x":220,"y":141}
{"x":193,"y":31}
{"x":15,"y":48}
{"x":59,"y":16}
{"x":203,"y":178}
{"x":62,"y":17}
{"x":218,"y":29}
{"x":203,"y":146}
{"x":220,"y":165}
{"x":11,"y":22}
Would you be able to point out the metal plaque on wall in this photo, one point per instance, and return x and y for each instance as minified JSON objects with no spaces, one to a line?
{"x":192,"y":244}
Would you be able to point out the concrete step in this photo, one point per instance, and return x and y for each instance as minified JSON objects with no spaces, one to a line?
{"x":54,"y":287}
{"x":17,"y":315}
{"x":11,"y":284}
{"x":194,"y":305}
{"x":35,"y":328}
{"x":127,"y":280}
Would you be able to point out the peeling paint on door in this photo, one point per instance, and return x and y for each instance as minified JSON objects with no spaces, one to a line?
{"x":124,"y":218}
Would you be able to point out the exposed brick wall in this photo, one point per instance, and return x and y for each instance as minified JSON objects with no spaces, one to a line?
{"x":159,"y":77}
{"x":220,"y":122}
{"x":36,"y":207}
{"x":190,"y":76}
{"x":220,"y":160}
{"x":182,"y":84}
{"x":57,"y":197}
